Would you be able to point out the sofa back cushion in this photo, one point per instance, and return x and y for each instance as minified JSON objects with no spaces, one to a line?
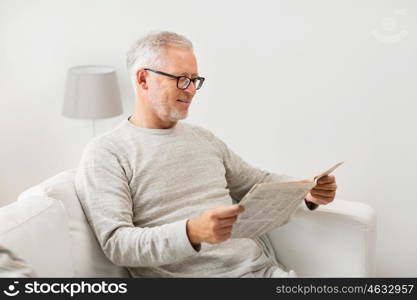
{"x":88,"y":258}
{"x":36,"y":231}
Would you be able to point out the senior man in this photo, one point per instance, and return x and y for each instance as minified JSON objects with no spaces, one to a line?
{"x":161,"y":194}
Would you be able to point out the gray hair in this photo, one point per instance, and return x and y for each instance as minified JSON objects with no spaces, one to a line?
{"x":147,"y":52}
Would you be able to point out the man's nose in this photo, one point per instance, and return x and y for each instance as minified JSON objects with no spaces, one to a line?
{"x":191,"y":89}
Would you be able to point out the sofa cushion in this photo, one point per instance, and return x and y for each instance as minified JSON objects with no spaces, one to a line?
{"x":36,"y":231}
{"x":13,"y":266}
{"x":88,"y":258}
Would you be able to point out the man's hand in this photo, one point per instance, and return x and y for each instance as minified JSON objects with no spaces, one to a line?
{"x":214,"y":225}
{"x":324,"y":192}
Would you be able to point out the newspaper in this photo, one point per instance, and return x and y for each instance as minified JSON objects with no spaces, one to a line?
{"x":271,"y":204}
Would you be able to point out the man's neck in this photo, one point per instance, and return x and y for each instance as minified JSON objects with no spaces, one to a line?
{"x":143,"y":115}
{"x":150,"y":124}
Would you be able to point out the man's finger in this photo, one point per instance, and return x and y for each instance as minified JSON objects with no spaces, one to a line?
{"x":322,"y":194}
{"x":225,"y":230}
{"x":323,"y":199}
{"x":227,"y":222}
{"x":326,"y":179}
{"x":320,"y":200}
{"x":225,"y":236}
{"x":326,"y":187}
{"x":228,"y":211}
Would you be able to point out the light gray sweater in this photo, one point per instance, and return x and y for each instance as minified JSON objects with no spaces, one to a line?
{"x":139,"y":186}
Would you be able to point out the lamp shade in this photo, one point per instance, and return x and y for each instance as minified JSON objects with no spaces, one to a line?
{"x":92,"y":92}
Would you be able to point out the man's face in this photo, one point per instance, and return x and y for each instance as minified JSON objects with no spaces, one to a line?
{"x":167,"y":102}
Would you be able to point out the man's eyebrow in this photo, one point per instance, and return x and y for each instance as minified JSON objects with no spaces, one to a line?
{"x":192,"y":75}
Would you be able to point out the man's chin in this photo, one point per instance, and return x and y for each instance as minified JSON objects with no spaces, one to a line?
{"x":175,"y":117}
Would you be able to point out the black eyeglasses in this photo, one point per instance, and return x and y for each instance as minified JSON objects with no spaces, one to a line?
{"x":183,"y":82}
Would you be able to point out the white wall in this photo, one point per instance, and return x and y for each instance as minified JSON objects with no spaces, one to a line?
{"x":292,"y":86}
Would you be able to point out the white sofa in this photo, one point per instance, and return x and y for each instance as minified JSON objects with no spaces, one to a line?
{"x":47,"y":228}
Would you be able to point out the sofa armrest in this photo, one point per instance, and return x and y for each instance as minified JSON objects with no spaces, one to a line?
{"x":336,"y":240}
{"x":36,"y":230}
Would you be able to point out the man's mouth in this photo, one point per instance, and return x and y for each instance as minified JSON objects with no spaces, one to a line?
{"x":184,"y":101}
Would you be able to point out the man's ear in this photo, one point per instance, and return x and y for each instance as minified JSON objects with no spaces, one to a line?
{"x":141,"y":79}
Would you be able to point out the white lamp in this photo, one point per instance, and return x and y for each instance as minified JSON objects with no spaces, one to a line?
{"x":92,"y":92}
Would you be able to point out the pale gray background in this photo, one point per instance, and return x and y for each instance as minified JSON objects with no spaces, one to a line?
{"x":292,"y":86}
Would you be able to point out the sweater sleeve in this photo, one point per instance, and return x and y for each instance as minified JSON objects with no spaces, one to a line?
{"x":103,"y":190}
{"x":240,"y":175}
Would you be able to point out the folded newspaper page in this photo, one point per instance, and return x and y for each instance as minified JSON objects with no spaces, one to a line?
{"x":271,"y":204}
